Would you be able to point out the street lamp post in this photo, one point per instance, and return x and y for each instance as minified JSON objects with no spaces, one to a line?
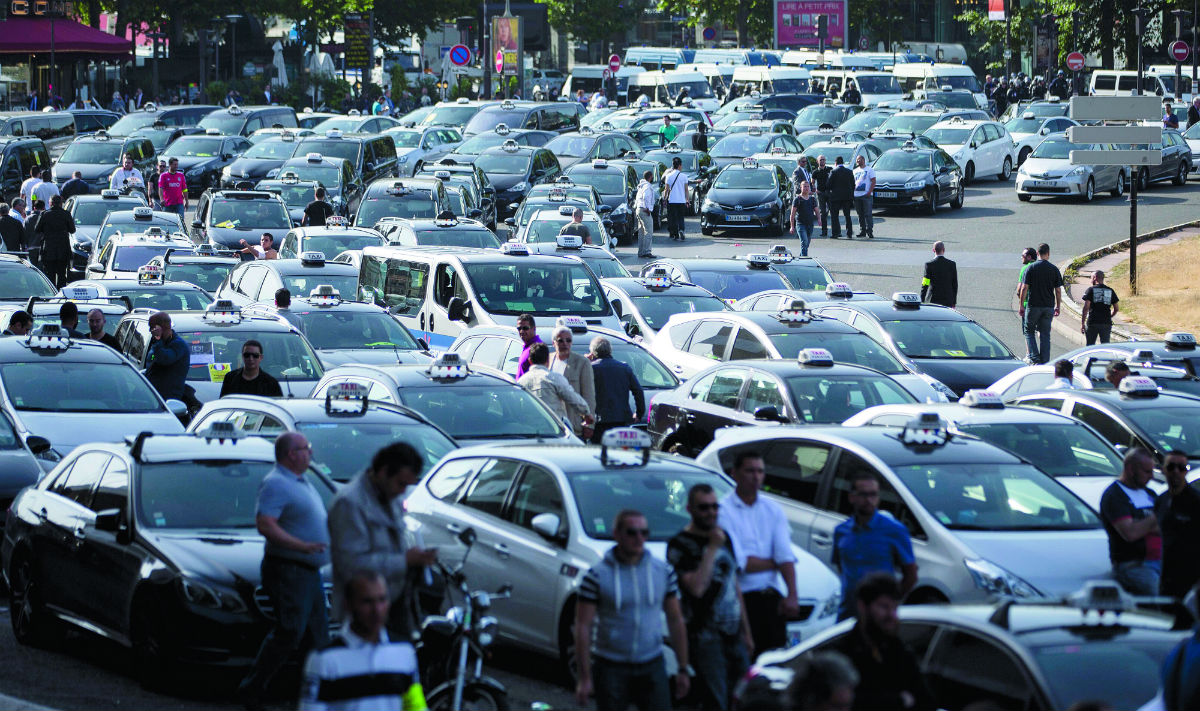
{"x":1139,"y":27}
{"x":1050,"y":25}
{"x":1180,"y":16}
{"x":154,"y":38}
{"x":233,"y":20}
{"x":1008,"y":40}
{"x":218,"y":34}
{"x":1077,"y":81}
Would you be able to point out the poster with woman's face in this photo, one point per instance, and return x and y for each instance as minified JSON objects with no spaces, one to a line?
{"x":505,"y":36}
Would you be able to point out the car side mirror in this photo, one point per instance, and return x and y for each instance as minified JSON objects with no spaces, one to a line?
{"x":514,"y":206}
{"x":489,"y":190}
{"x":84,"y":246}
{"x":178,"y":409}
{"x":108,"y":520}
{"x":974,"y":144}
{"x":96,"y":268}
{"x":546,"y":525}
{"x":475,"y":213}
{"x":456,"y":310}
{"x":226,"y":156}
{"x":197,"y":224}
{"x":769,"y":414}
{"x":37,"y":444}
{"x":1043,"y":132}
{"x":608,"y":224}
{"x":510,"y":221}
{"x":424,"y":344}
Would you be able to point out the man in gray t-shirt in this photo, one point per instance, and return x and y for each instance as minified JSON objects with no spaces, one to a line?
{"x":576,"y":227}
{"x":291,"y":516}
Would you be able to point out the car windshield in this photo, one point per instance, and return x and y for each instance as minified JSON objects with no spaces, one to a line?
{"x":331,"y":148}
{"x":405,"y":139}
{"x":1170,"y":427}
{"x":488,"y":119}
{"x":818,"y":114}
{"x":696,"y":89}
{"x":224,"y":123}
{"x":1058,"y":149}
{"x":78,"y":387}
{"x":606,"y":182}
{"x":995,"y":497}
{"x":1024,"y":125}
{"x":831,"y":151}
{"x":129,"y":225}
{"x":286,"y":355}
{"x":904,"y":162}
{"x":945,"y":339}
{"x":658,"y":491}
{"x":194,"y":147}
{"x":852,"y":348}
{"x":802,"y":276}
{"x":207,"y":276}
{"x":328,"y":175}
{"x":687,"y":160}
{"x":493,"y":411}
{"x":1193,"y":132}
{"x":968,"y":82}
{"x":128,"y":259}
{"x":948,"y":136}
{"x":206,"y":494}
{"x":164,"y":298}
{"x":572,"y":146}
{"x":449,"y":115}
{"x":293,"y":195}
{"x":1124,"y":672}
{"x":454,"y":237}
{"x":740,"y":145}
{"x":92,"y":153}
{"x":826,"y":399}
{"x":953,"y":100}
{"x":604,"y":265}
{"x":331,"y":245}
{"x":790,"y":86}
{"x":273,"y":148}
{"x":866,"y":121}
{"x":344,"y":330}
{"x":129,"y":123}
{"x":543,"y":288}
{"x":250,"y":215}
{"x":111,"y":319}
{"x":657,"y":308}
{"x":413,"y":205}
{"x":649,"y":371}
{"x":1067,"y":449}
{"x":341,"y":450}
{"x":878,"y":85}
{"x":341,"y":123}
{"x":546,"y":229}
{"x":739,"y":284}
{"x":159,"y":138}
{"x":741,"y":179}
{"x":912,"y":123}
{"x":22,"y":281}
{"x":93,"y":212}
{"x":305,"y":283}
{"x":504,"y":164}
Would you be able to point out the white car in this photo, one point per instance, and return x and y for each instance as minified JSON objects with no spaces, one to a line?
{"x":423,"y":144}
{"x":978,"y":147}
{"x":1192,"y":136}
{"x":543,"y":227}
{"x":125,"y":255}
{"x":1028,"y":130}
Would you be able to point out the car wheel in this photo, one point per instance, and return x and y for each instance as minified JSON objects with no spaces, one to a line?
{"x":416,"y":168}
{"x":566,"y":646}
{"x":926,"y":596}
{"x":31,"y":624}
{"x":1023,"y":155}
{"x":153,"y":660}
{"x":1005,"y":170}
{"x":957,"y":202}
{"x":1023,"y":197}
{"x":969,"y":174}
{"x":931,"y":202}
{"x":1181,"y":174}
{"x":706,"y":231}
{"x":1089,"y":190}
{"x":1144,"y":180}
{"x":1122,"y":183}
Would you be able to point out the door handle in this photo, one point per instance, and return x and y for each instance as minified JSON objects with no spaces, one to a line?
{"x":822,"y":540}
{"x":79,"y":533}
{"x":501,"y":549}
{"x":421,"y":320}
{"x":677,"y":368}
{"x":690,"y":418}
{"x":454,"y":528}
{"x":430,"y":322}
{"x":42,"y":514}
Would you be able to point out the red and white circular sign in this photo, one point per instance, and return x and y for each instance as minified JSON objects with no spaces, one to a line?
{"x":1075,"y":61}
{"x":614,"y":62}
{"x":1178,"y":50}
{"x":499,"y":61}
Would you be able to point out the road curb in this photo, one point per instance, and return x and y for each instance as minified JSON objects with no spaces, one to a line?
{"x":12,"y":703}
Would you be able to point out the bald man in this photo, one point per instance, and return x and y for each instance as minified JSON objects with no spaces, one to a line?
{"x":940,"y":285}
{"x":96,"y":322}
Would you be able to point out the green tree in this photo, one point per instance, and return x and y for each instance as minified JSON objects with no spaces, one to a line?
{"x":594,"y":21}
{"x":750,"y":18}
{"x":996,"y":36}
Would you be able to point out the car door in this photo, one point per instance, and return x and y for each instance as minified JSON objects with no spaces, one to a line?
{"x":713,"y":408}
{"x":794,"y":472}
{"x":834,"y":506}
{"x":482,"y":506}
{"x":1106,"y":423}
{"x":111,"y":564}
{"x":966,"y":665}
{"x":706,"y":347}
{"x":447,"y":282}
{"x":763,"y":390}
{"x":64,"y":514}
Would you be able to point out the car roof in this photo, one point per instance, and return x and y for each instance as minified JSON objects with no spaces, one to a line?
{"x":188,"y":321}
{"x":707,"y":263}
{"x":636,"y":286}
{"x":314,"y":409}
{"x":429,"y":223}
{"x":418,"y":375}
{"x":17,"y":349}
{"x":886,"y":310}
{"x":520,"y":150}
{"x":1120,"y":401}
{"x":786,"y":367}
{"x":571,"y":459}
{"x":330,"y":231}
{"x":158,"y":449}
{"x":108,"y":285}
{"x":290,"y":267}
{"x":964,"y":415}
{"x":769,"y":323}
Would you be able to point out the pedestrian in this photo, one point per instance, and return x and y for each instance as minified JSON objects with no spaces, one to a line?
{"x":11,"y":230}
{"x":767,"y":564}
{"x":291,"y":516}
{"x":75,"y":186}
{"x":1193,"y":116}
{"x":820,"y":175}
{"x":33,"y":238}
{"x":825,"y":681}
{"x":804,"y":215}
{"x":425,"y":100}
{"x":940,"y":283}
{"x":265,"y":249}
{"x":528,"y":334}
{"x":1134,"y":538}
{"x":1170,"y":120}
{"x":645,"y":200}
{"x":169,"y":358}
{"x":152,"y":183}
{"x":1028,"y":256}
{"x":1064,"y":373}
{"x":172,"y":189}
{"x":677,"y":196}
{"x":363,"y":668}
{"x":801,"y":174}
{"x":367,"y":531}
{"x":317,"y":211}
{"x":96,"y":322}
{"x":870,"y":541}
{"x":18,"y":210}
{"x":668,"y":131}
{"x":719,"y":640}
{"x":1178,"y":512}
{"x":283,"y":308}
{"x":46,"y":189}
{"x":864,"y":197}
{"x":889,"y":673}
{"x":18,"y":324}
{"x":1179,"y":676}
{"x":68,"y":319}
{"x":1099,"y":307}
{"x":851,"y":95}
{"x":841,"y":196}
{"x":56,"y":227}
{"x":127,"y":176}
{"x":623,"y":597}
{"x":251,"y":379}
{"x":615,"y":384}
{"x":576,"y":227}
{"x":35,"y":177}
{"x":1116,"y":371}
{"x":700,"y":137}
{"x":578,"y":372}
{"x":1059,"y":85}
{"x":1001,"y":97}
{"x":1040,"y":295}
{"x":552,"y":388}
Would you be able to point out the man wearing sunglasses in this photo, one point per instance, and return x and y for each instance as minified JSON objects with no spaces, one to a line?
{"x":1178,"y":512}
{"x":251,"y":379}
{"x":870,"y":541}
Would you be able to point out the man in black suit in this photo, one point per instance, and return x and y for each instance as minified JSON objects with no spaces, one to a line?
{"x":56,"y":225}
{"x":940,"y":285}
{"x":75,"y":186}
{"x":841,"y":197}
{"x":11,"y":230}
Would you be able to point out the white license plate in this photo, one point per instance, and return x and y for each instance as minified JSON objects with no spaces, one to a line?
{"x":738,"y":218}
{"x":1045,"y":184}
{"x":884,"y":194}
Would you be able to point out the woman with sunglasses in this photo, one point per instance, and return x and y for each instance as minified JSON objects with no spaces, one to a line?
{"x":251,"y":379}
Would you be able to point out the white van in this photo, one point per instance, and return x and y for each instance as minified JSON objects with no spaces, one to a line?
{"x":933,"y":77}
{"x":874,"y":86}
{"x":1159,"y":81}
{"x":801,"y":58}
{"x":590,"y":78}
{"x":664,"y":87}
{"x":720,"y":76}
{"x":771,"y":80}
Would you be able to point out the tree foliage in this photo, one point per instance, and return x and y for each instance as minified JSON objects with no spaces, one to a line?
{"x":593,"y":20}
{"x":751,"y":18}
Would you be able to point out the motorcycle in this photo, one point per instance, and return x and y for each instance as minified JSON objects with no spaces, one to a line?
{"x":452,"y":646}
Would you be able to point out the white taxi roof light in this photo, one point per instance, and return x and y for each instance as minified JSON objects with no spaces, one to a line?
{"x":573,"y":322}
{"x":510,"y":146}
{"x":448,"y":366}
{"x":50,"y":336}
{"x":909,"y":146}
{"x":1181,"y":340}
{"x":223,"y":311}
{"x":1138,"y":386}
{"x":607,"y":126}
{"x":442,"y":174}
{"x":289,"y":178}
{"x":557,"y":195}
{"x":346,"y":398}
{"x":109,"y":194}
{"x":325,"y":295}
{"x":587,"y":131}
{"x":758,"y":261}
{"x":221,"y":431}
{"x":815,"y":356}
{"x":313,"y":157}
{"x":354,"y":112}
{"x":502,"y":129}
{"x":1027,"y":115}
{"x":926,"y":429}
{"x":212,"y":132}
{"x":1102,"y":596}
{"x":235,"y":110}
{"x":793,"y":310}
{"x":825,"y":128}
{"x":155,"y":232}
{"x":514,"y":249}
{"x":839,"y":289}
{"x":673,"y":147}
{"x":463,"y":100}
{"x":150,"y":274}
{"x":906,"y":300}
{"x":336,"y":221}
{"x":750,"y":163}
{"x":566,"y":210}
{"x":625,"y":439}
{"x":780,"y":254}
{"x":755,"y":130}
{"x":778,"y":150}
{"x":600,"y":163}
{"x":312,"y":257}
{"x":333,"y":133}
{"x":982,"y":399}
{"x":1141,"y":355}
{"x":507,"y":105}
{"x":657,"y":278}
{"x":81,"y":293}
{"x":398,"y":188}
{"x":569,"y":241}
{"x":143,"y":213}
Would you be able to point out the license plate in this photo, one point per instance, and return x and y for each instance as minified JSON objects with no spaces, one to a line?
{"x":738,"y":218}
{"x":884,"y":194}
{"x":1045,"y":184}
{"x":794,"y":638}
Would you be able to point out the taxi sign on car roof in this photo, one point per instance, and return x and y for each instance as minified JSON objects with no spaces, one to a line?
{"x":749,"y":163}
{"x":557,"y":195}
{"x":81,"y":293}
{"x":815,"y":356}
{"x":235,"y":110}
{"x":565,"y":181}
{"x":607,"y":126}
{"x":221,"y":431}
{"x":758,"y":261}
{"x":312,"y":258}
{"x":600,"y":163}
{"x":624,"y":439}
{"x":223,"y":311}
{"x":926,"y":429}
{"x":982,"y":399}
{"x":1138,"y":386}
{"x":110,"y":194}
{"x":1180,"y":340}
{"x":793,"y":310}
{"x":778,"y":150}
{"x":906,"y":300}
{"x":575,"y":323}
{"x":463,"y":100}
{"x":448,"y":366}
{"x":838,"y":290}
{"x":150,"y":274}
{"x":502,"y":129}
{"x":909,"y":147}
{"x":514,"y":249}
{"x":324,"y":295}
{"x":565,"y":241}
{"x":587,"y":131}
{"x":1140,"y":355}
{"x":825,"y":128}
{"x":398,"y":188}
{"x":657,"y":278}
{"x":142,"y":213}
{"x":333,"y":133}
{"x":780,"y":254}
{"x":212,"y":132}
{"x":336,"y":221}
{"x":755,"y":130}
{"x":566,"y":210}
{"x":510,"y":146}
{"x":49,"y":337}
{"x":445,"y":218}
{"x":289,"y":177}
{"x":673,"y":147}
{"x":441,"y":174}
{"x":507,"y":105}
{"x":346,"y":398}
{"x":313,"y":157}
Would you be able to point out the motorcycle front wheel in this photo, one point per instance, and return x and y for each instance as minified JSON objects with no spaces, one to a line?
{"x":475,"y":697}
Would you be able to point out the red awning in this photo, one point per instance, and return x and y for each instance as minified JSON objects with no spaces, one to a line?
{"x":31,"y":35}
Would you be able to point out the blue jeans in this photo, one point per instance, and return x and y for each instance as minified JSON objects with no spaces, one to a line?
{"x":1037,"y":327}
{"x":804,"y":232}
{"x":644,"y":685}
{"x":1139,"y":577}
{"x":298,"y":595}
{"x":720,"y":662}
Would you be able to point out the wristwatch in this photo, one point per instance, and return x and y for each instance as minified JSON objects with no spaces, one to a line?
{"x":688,"y":670}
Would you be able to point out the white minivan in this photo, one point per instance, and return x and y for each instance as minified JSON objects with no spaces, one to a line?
{"x":664,"y":87}
{"x":590,"y":78}
{"x":933,"y":77}
{"x":874,"y":86}
{"x":1113,"y":82}
{"x":771,"y":80}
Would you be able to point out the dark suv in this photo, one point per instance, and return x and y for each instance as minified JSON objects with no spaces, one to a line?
{"x":372,"y":156}
{"x":245,"y":120}
{"x":98,"y":155}
{"x":557,"y":116}
{"x":225,"y":217}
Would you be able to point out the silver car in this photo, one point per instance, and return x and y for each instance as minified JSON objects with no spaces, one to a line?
{"x":1048,"y":172}
{"x":422,"y":144}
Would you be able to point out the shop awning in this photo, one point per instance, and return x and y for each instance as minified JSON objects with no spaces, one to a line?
{"x":31,"y":35}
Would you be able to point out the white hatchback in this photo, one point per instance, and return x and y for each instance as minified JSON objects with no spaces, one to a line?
{"x":978,"y":147}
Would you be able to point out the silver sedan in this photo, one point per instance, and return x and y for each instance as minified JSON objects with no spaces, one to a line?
{"x":1049,"y":172}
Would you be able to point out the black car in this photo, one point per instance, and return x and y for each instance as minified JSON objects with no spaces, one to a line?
{"x":203,"y":157}
{"x":734,"y":147}
{"x":343,"y":186}
{"x":151,"y":114}
{"x":730,"y":279}
{"x":921,"y":178}
{"x":161,"y":135}
{"x":811,"y":390}
{"x":513,"y":169}
{"x":410,"y":198}
{"x":466,"y":199}
{"x":790,"y":102}
{"x":470,"y":148}
{"x":445,"y":230}
{"x":97,"y":155}
{"x":371,"y":156}
{"x":20,"y":280}
{"x":556,"y":116}
{"x":617,"y":185}
{"x":245,"y":120}
{"x":259,"y":160}
{"x":827,"y":112}
{"x":748,"y":196}
{"x":226,"y":217}
{"x":589,"y":144}
{"x":89,"y":212}
{"x":801,"y":273}
{"x":1176,"y":160}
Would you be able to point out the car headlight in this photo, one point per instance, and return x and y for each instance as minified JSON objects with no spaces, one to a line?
{"x":995,"y":580}
{"x":402,"y":160}
{"x":487,"y":631}
{"x":519,"y":187}
{"x":765,"y":206}
{"x":832,"y":604}
{"x":195,"y":172}
{"x":1078,"y":171}
{"x":206,"y":595}
{"x":914,"y":185}
{"x":940,"y":388}
{"x":226,"y":172}
{"x":708,"y":205}
{"x":959,"y":155}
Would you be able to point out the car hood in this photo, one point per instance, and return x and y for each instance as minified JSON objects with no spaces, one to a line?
{"x":737,"y":196}
{"x":898,"y":177}
{"x":371,"y":356}
{"x":401,"y":152}
{"x":253,"y":167}
{"x":297,"y":214}
{"x":961,"y":375}
{"x":86,"y":233}
{"x":68,"y":430}
{"x":90,"y":171}
{"x":232,"y":236}
{"x":1089,"y":488}
{"x":504,"y":182}
{"x":18,"y":469}
{"x":565,"y":162}
{"x":186,"y":163}
{"x":1046,"y":167}
{"x":1057,"y":563}
{"x":221,"y":555}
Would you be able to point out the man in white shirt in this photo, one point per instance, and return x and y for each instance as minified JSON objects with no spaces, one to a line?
{"x":864,"y":197}
{"x":35,"y":177}
{"x":645,"y":214}
{"x":46,"y":189}
{"x":553,"y":388}
{"x":127,"y":172}
{"x":677,"y":197}
{"x":762,"y":543}
{"x":1064,"y":374}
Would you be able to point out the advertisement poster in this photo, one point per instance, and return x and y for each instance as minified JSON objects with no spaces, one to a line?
{"x":796,"y":23}
{"x":506,"y":36}
{"x":358,"y":43}
{"x":996,"y":10}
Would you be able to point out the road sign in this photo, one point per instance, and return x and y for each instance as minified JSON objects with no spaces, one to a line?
{"x":1115,"y":108}
{"x":1134,"y":158}
{"x":709,"y":34}
{"x":499,"y":61}
{"x":1008,"y":54}
{"x":460,"y":55}
{"x":864,"y":42}
{"x":1178,"y":51}
{"x":1075,"y":61}
{"x":1115,"y":134}
{"x":614,"y":62}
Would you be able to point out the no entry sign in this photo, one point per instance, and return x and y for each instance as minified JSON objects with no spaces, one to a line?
{"x":1075,"y":61}
{"x":1179,"y":50}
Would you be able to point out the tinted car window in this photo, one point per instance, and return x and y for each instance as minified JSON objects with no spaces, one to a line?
{"x":490,"y":488}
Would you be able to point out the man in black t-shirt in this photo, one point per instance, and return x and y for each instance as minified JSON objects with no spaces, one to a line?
{"x":1042,"y":286}
{"x":1178,"y":512}
{"x":1099,"y":307}
{"x":1134,"y":538}
{"x":718,"y":630}
{"x":316,"y":212}
{"x":251,"y":379}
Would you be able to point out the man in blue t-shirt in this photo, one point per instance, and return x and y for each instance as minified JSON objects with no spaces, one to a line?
{"x":1134,"y":538}
{"x":870,"y":541}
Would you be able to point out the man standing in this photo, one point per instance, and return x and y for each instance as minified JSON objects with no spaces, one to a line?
{"x":645,"y":214}
{"x":719,"y":640}
{"x":68,"y":319}
{"x":578,"y":372}
{"x":576,"y":227}
{"x":851,"y":95}
{"x":940,"y":283}
{"x":363,"y":669}
{"x":1099,"y":307}
{"x":33,"y":239}
{"x":169,"y":359}
{"x":1028,"y":256}
{"x":367,"y":531}
{"x":251,"y":379}
{"x":172,"y":188}
{"x":317,"y":211}
{"x":56,"y":226}
{"x":820,"y":174}
{"x":46,"y":189}
{"x":763,"y":542}
{"x":291,"y":516}
{"x":1041,"y":289}
{"x":127,"y":173}
{"x":75,"y":186}
{"x":1170,"y":120}
{"x":870,"y":541}
{"x":668,"y":131}
{"x":1134,"y":538}
{"x":1193,"y":117}
{"x":841,"y":196}
{"x":96,"y":322}
{"x":552,"y":388}
{"x":528,"y":334}
{"x":624,"y":596}
{"x":35,"y":177}
{"x":864,"y":197}
{"x":615,"y":383}
{"x":1178,"y":513}
{"x":677,"y":197}
{"x":11,"y":230}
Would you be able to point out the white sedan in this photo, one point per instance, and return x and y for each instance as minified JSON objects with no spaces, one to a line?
{"x":1028,"y":130}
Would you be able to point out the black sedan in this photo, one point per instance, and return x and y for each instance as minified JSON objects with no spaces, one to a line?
{"x":589,"y":144}
{"x":748,"y":196}
{"x":827,"y":112}
{"x":513,"y":169}
{"x":202,"y":158}
{"x":258,"y":161}
{"x":616,"y":184}
{"x":921,"y":178}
